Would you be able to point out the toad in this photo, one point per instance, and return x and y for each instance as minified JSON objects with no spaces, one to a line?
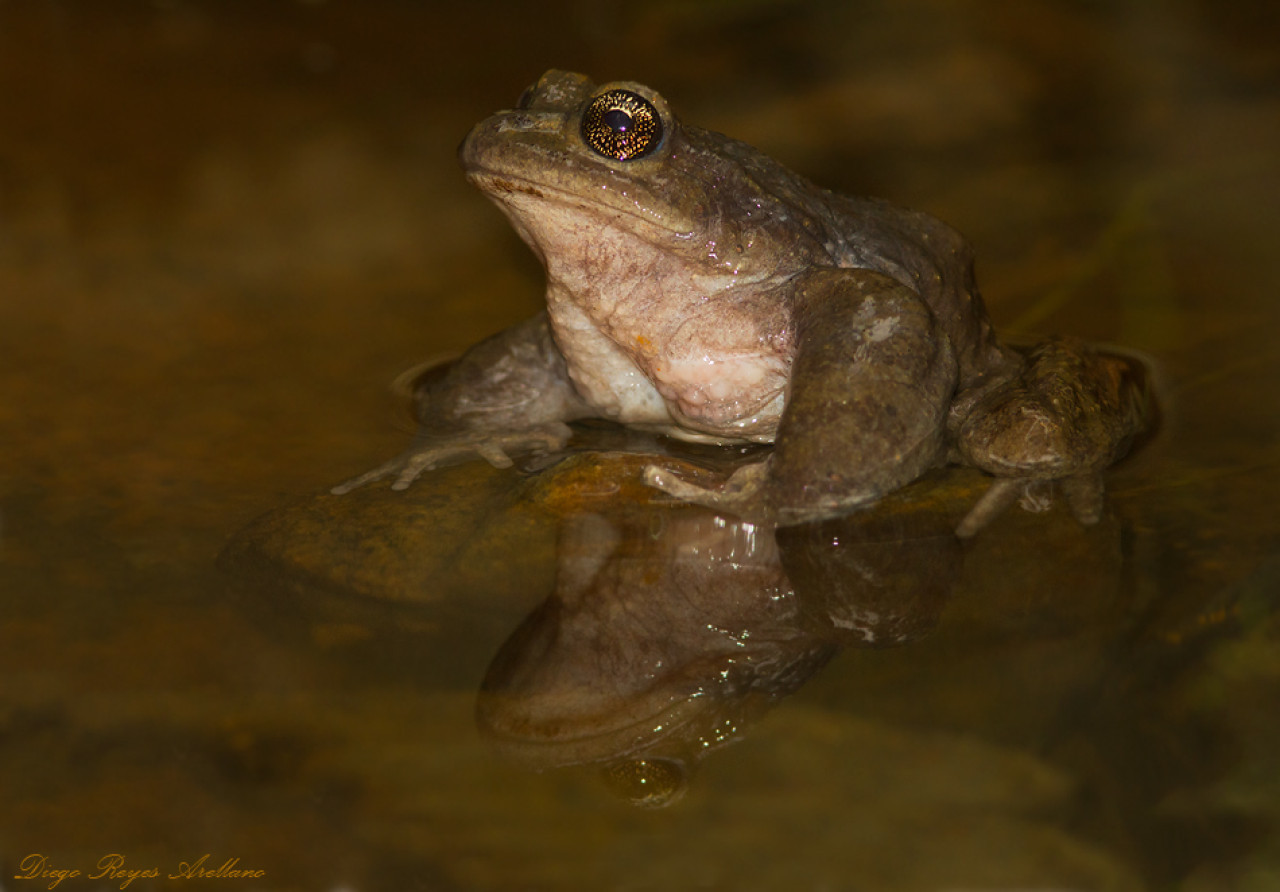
{"x":698,"y":289}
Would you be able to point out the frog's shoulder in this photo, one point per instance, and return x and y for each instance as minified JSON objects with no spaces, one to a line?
{"x":856,"y":231}
{"x":738,"y":170}
{"x":877,"y":228}
{"x":932,"y":259}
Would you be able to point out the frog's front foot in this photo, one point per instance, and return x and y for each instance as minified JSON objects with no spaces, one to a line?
{"x":1083,"y":493}
{"x":741,"y":495}
{"x":434,"y":449}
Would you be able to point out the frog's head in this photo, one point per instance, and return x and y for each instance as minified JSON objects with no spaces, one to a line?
{"x":576,"y":165}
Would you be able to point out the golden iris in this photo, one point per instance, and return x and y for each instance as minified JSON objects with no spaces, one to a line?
{"x":621,"y":125}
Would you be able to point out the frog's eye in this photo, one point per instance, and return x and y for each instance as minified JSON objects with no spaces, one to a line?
{"x":621,"y":125}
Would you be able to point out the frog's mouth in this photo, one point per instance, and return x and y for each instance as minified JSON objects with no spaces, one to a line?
{"x":530,"y":204}
{"x":499,"y":185}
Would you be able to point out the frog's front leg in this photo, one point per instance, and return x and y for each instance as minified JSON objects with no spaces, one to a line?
{"x":509,"y":392}
{"x":1069,"y":414}
{"x":866,"y":408}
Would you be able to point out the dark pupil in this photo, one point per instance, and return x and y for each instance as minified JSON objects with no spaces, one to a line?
{"x":617,"y":119}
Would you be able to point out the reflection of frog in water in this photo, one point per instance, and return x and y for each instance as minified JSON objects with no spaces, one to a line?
{"x":671,"y":631}
{"x":698,"y":289}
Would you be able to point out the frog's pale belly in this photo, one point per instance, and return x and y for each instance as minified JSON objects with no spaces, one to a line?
{"x":735,"y":397}
{"x":729,"y":397}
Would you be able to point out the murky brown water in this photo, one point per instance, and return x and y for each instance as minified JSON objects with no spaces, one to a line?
{"x":224,"y":227}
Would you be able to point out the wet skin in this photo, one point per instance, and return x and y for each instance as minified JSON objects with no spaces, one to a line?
{"x":698,"y":289}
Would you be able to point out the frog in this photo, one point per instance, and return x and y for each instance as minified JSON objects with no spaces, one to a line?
{"x":700,"y":290}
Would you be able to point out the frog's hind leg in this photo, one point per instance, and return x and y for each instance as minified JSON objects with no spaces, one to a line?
{"x":870,"y":389}
{"x":866,"y":406}
{"x":1070,"y":414}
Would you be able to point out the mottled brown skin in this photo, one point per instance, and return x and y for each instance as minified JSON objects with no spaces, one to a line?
{"x":703,"y":291}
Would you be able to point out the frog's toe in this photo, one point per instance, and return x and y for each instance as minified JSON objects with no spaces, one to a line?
{"x":1002,"y":493}
{"x":550,"y":437}
{"x":405,"y":468}
{"x":411,"y":466}
{"x":545,"y":438}
{"x":493,"y":454}
{"x":666,"y":480}
{"x":383,"y":470}
{"x":1035,"y":495}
